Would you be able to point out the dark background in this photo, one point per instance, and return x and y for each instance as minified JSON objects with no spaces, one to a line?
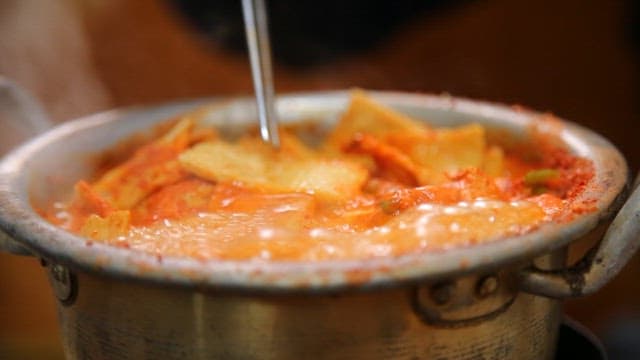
{"x":577,"y":59}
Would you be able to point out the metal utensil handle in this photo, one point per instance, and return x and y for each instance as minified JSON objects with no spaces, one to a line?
{"x":599,"y":265}
{"x":256,"y":27}
{"x":21,"y":117}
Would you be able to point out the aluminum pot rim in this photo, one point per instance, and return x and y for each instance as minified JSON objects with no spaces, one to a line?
{"x":19,"y":220}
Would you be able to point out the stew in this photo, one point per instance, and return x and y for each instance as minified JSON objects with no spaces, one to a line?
{"x":379,"y":184}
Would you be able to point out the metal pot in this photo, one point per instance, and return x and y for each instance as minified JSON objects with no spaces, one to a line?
{"x":492,"y":301}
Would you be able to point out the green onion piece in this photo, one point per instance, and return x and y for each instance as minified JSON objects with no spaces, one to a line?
{"x":387,"y":206}
{"x":539,"y":189}
{"x":540,"y":176}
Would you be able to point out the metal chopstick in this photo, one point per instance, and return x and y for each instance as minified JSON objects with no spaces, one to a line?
{"x":255,"y":20}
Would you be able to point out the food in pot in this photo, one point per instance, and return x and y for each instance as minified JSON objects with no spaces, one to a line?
{"x":379,"y":184}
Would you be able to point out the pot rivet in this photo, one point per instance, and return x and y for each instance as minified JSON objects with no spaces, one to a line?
{"x":63,"y":283}
{"x":441,"y":293}
{"x":487,"y":286}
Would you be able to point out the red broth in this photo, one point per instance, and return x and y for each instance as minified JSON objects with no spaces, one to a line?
{"x":381,"y":184}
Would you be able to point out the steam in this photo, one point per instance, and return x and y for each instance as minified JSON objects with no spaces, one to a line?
{"x":44,"y":48}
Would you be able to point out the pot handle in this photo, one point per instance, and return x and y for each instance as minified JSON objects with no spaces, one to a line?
{"x":599,"y":265}
{"x":7,"y":244}
{"x":21,"y":117}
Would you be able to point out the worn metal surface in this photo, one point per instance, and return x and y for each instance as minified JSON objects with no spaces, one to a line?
{"x":112,"y":319}
{"x":459,"y":304}
{"x":49,"y":165}
{"x":465,"y":301}
{"x":599,"y":265}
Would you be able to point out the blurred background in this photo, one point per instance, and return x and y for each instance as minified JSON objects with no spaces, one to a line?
{"x":576,"y":59}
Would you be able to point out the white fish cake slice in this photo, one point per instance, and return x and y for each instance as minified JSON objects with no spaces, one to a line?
{"x":332,"y":179}
{"x":224,"y":162}
{"x":444,"y":150}
{"x":367,"y":116}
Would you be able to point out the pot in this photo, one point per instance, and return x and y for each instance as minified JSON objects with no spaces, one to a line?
{"x":498,"y":300}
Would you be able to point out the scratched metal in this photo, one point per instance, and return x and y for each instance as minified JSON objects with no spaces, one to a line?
{"x":601,"y":264}
{"x":48,"y":165}
{"x":113,"y":319}
{"x":177,"y":308}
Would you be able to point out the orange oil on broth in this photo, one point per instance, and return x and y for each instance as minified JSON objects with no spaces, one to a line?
{"x":283,"y":233}
{"x":380,"y":185}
